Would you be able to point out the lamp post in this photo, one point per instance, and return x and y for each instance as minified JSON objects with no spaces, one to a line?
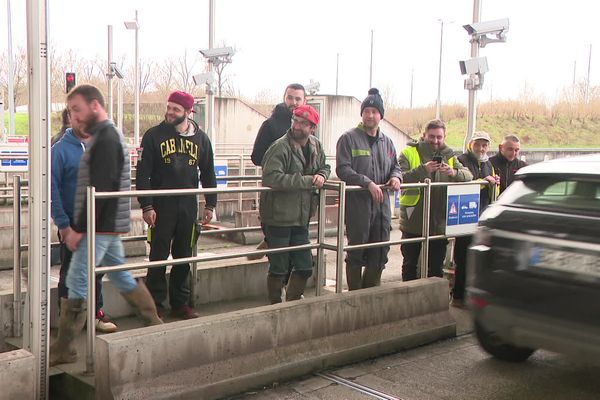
{"x":133,"y":25}
{"x":438,"y":104}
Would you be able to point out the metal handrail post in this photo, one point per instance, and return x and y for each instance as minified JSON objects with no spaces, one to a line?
{"x":425,"y":233}
{"x":241,"y":195}
{"x":320,"y":271}
{"x":16,"y":256}
{"x":91,"y":289}
{"x":339,"y":268}
{"x":193,"y":276}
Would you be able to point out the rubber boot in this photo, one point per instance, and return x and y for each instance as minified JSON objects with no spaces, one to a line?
{"x":72,"y":320}
{"x":371,"y":277}
{"x":274,"y":286}
{"x":141,"y":299}
{"x":353,"y":277}
{"x":295,"y":287}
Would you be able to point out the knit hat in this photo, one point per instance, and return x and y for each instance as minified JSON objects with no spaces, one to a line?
{"x":184,"y":99}
{"x":308,"y":113}
{"x":373,"y":100}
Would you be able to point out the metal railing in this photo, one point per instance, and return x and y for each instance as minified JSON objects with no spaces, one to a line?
{"x":339,"y":248}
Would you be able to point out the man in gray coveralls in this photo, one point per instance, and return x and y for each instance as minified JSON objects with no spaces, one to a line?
{"x":366,"y":157}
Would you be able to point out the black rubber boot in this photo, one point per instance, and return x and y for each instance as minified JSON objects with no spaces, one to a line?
{"x":274,"y":286}
{"x":295,"y":287}
{"x":371,"y":277}
{"x":353,"y":277}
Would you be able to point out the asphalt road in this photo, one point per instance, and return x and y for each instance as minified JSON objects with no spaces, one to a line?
{"x":452,"y":369}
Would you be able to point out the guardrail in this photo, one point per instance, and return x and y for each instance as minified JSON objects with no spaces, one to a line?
{"x":339,"y":248}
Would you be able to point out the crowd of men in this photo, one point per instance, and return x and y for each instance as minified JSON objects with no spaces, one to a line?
{"x":177,"y":154}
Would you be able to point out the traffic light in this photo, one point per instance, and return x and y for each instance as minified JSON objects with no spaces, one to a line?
{"x":70,"y":81}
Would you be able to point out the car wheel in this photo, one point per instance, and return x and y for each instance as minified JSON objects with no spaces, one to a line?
{"x":501,"y":350}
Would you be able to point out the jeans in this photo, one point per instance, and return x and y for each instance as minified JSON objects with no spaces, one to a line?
{"x":109,"y":252}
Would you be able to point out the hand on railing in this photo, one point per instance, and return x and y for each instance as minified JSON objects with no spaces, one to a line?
{"x":393,"y":183}
{"x":207,"y":216}
{"x":318,"y":181}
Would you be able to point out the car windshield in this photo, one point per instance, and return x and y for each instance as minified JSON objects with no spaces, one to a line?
{"x":555,"y":193}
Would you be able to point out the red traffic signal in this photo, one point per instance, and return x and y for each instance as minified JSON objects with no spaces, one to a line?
{"x":70,"y":80}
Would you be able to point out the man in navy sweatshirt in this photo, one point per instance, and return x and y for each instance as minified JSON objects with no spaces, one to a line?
{"x":66,"y":154}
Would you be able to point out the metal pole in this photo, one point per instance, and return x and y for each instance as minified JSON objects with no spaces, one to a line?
{"x":193,"y":276}
{"x":109,"y":75}
{"x":210,"y":97}
{"x":412,"y":76}
{"x":11,"y":77}
{"x":2,"y":132}
{"x":337,"y":73}
{"x":38,"y":293}
{"x":320,"y":270}
{"x":472,"y":107}
{"x":438,"y":104}
{"x":587,"y":90}
{"x":91,"y":289}
{"x":120,"y":104}
{"x":425,"y":234}
{"x":339,"y":269}
{"x":136,"y":121}
{"x":241,"y":195}
{"x":371,"y":63}
{"x":16,"y":256}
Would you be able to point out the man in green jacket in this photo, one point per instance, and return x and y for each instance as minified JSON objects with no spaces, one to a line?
{"x":294,"y":166}
{"x":427,"y":158}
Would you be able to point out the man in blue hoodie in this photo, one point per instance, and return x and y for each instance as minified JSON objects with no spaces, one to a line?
{"x":66,"y":154}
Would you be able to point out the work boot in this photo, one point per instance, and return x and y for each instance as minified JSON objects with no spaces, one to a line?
{"x":353,"y":277}
{"x":261,"y":246}
{"x":371,"y":277}
{"x":295,"y":287}
{"x":72,"y":319}
{"x":274,"y":286}
{"x":141,"y":299}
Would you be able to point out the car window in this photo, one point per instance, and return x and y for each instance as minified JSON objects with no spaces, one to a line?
{"x":578,"y":195}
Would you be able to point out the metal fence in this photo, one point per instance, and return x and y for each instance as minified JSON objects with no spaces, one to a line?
{"x":320,"y":245}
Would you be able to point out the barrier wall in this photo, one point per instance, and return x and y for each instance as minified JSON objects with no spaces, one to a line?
{"x":216,"y":356}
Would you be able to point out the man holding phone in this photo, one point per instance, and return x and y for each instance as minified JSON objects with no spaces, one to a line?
{"x":427,"y":158}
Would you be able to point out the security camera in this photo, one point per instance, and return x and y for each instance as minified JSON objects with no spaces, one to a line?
{"x":218,"y":52}
{"x":115,"y":70}
{"x":496,"y":26}
{"x":312,"y":88}
{"x":473,"y":66}
{"x":204,"y":78}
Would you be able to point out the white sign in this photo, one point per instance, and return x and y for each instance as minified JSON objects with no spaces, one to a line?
{"x":14,"y":159}
{"x":462,"y":212}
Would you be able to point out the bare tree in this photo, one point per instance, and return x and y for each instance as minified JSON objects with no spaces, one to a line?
{"x":164,"y":77}
{"x":183,"y":69}
{"x":19,"y":75}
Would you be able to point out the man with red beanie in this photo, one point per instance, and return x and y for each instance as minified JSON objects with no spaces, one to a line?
{"x":294,"y":166}
{"x":173,"y":154}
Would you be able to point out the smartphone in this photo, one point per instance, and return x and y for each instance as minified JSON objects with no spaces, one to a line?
{"x":437,"y":159}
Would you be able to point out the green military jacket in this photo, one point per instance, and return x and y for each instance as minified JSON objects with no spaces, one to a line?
{"x":285,"y":169}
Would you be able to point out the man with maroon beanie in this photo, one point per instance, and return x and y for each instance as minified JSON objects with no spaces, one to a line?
{"x":173,"y":154}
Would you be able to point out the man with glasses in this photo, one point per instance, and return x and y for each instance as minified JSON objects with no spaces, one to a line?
{"x":294,"y":166}
{"x":367,"y":158}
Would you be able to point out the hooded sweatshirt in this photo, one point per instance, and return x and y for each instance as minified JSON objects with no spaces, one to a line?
{"x":66,"y":155}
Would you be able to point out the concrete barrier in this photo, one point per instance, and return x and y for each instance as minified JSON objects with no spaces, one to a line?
{"x":17,"y":375}
{"x":221,"y":355}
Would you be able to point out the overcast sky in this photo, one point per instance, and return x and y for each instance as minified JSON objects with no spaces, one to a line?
{"x":282,"y":41}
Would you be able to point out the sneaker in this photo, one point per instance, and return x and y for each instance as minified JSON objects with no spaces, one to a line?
{"x":103,"y":324}
{"x":185,"y":312}
{"x":261,"y":246}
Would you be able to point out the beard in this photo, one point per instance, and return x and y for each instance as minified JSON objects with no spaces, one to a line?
{"x":299,"y":135}
{"x":482,"y":157}
{"x":176,"y":121}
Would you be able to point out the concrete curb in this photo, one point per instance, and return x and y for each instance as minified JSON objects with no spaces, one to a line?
{"x":226,"y":354}
{"x":17,"y":375}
